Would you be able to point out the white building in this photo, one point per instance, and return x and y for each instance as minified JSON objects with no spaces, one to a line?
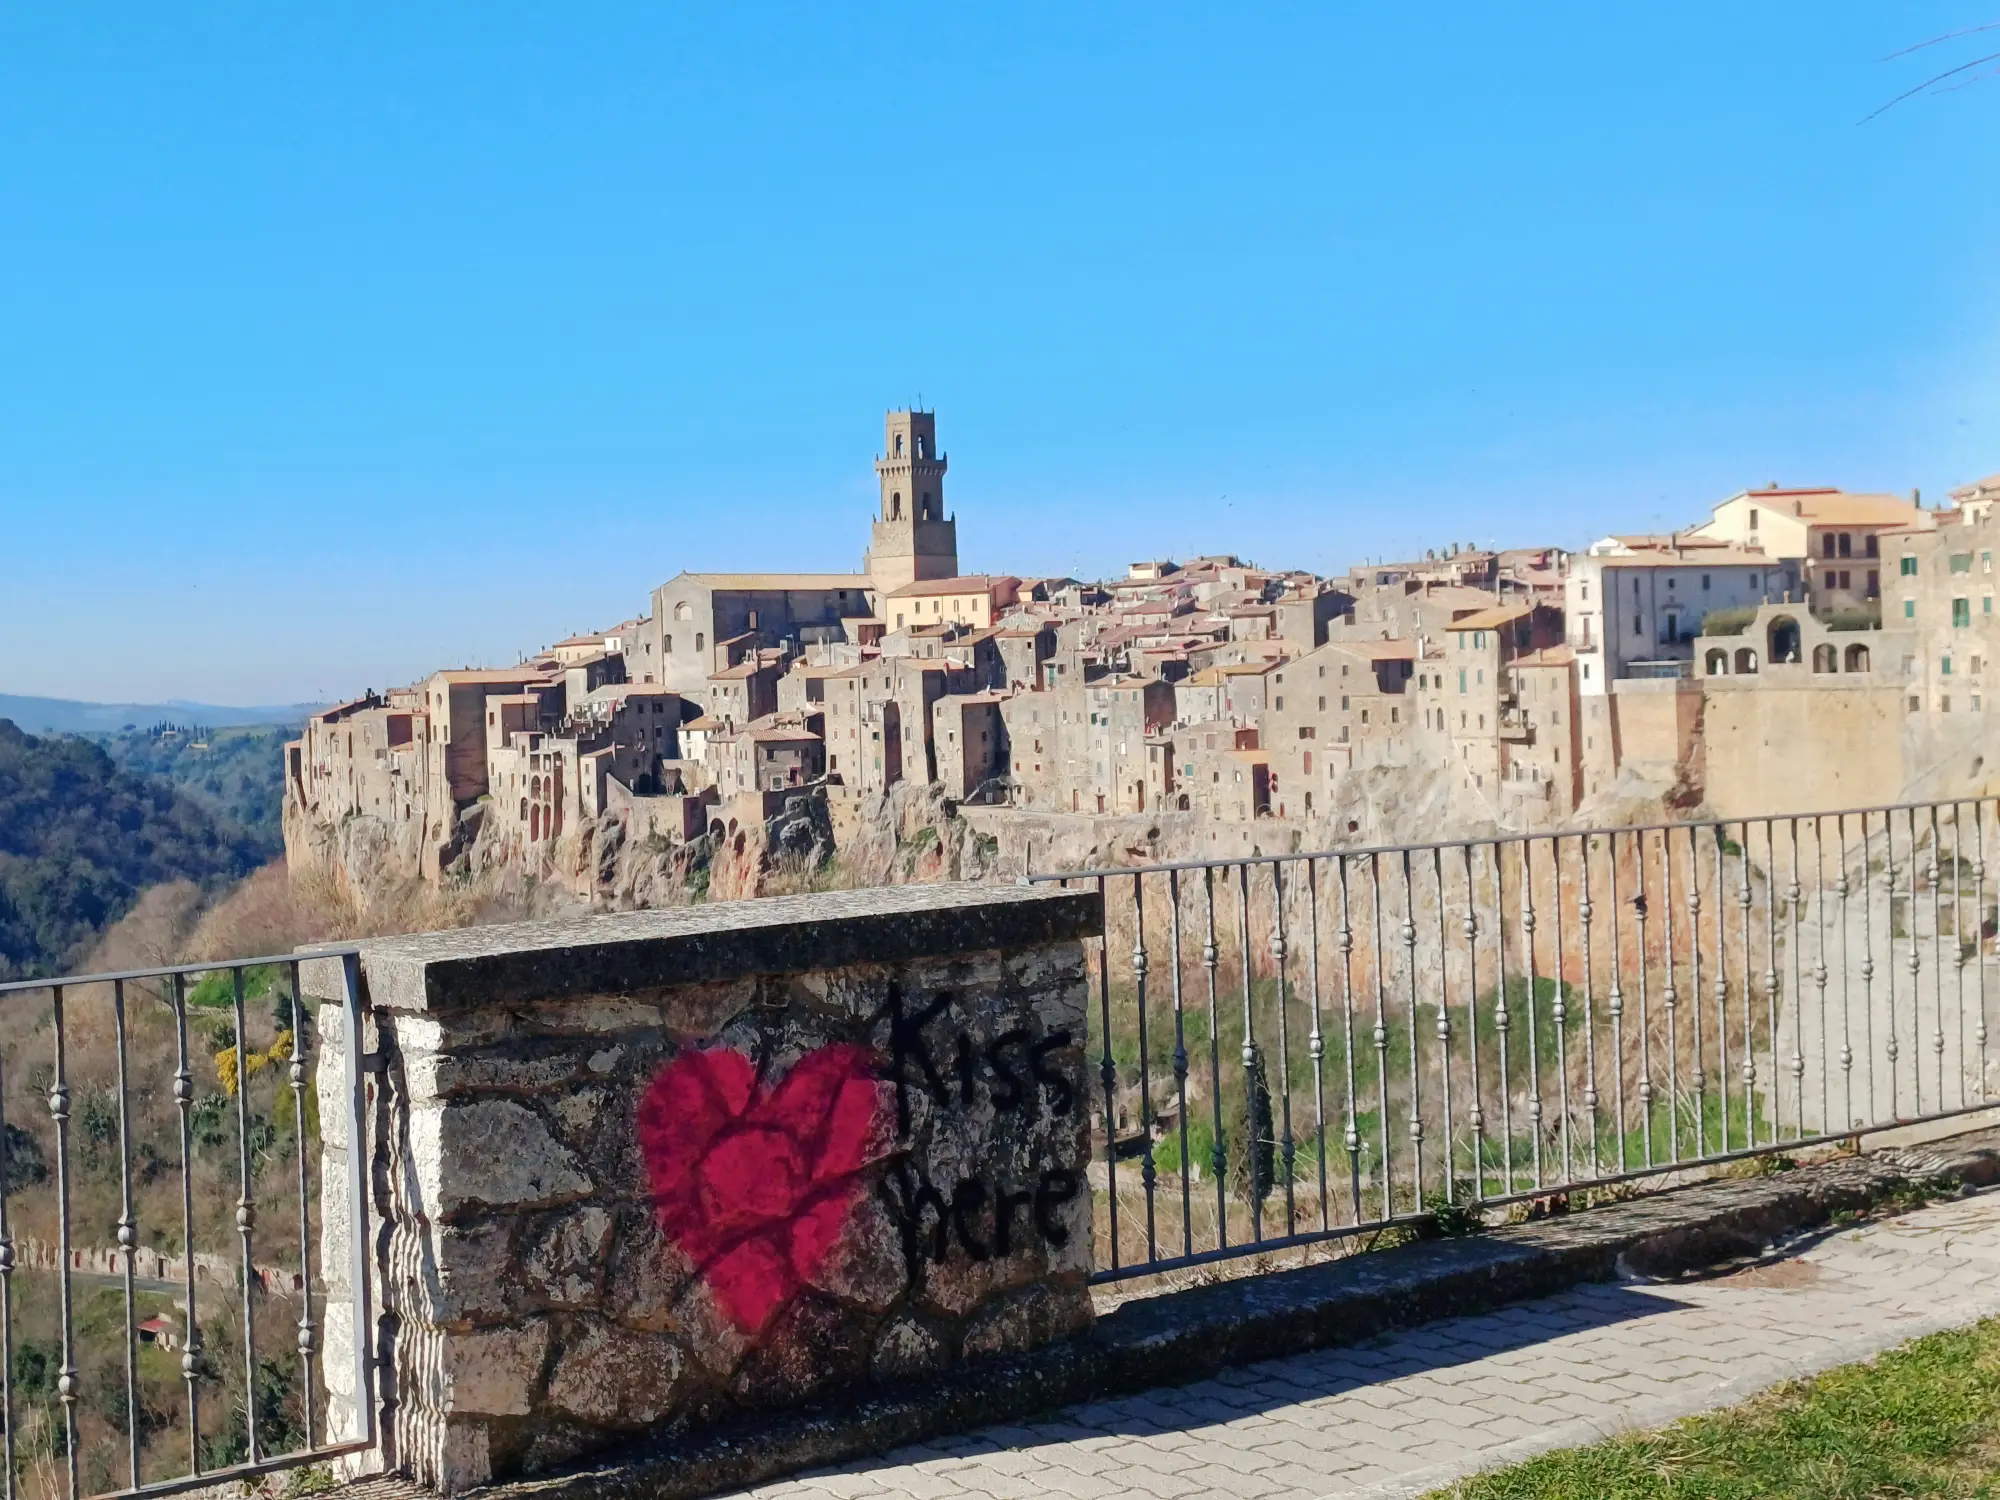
{"x":1634,"y":604}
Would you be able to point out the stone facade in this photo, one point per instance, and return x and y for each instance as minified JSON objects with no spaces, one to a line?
{"x":656,"y":1169}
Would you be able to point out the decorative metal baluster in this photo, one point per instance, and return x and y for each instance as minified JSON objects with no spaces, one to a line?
{"x":1615,"y":1005}
{"x":1916,"y":979}
{"x":1771,"y":970}
{"x":1181,"y":1065}
{"x":1501,"y":1020}
{"x":6,"y":1311}
{"x":1250,"y":1063}
{"x":1287,"y":1147}
{"x":1795,"y":921}
{"x":1559,"y":1014}
{"x":1534,"y":1004}
{"x":128,"y":1235}
{"x":1477,"y":1117}
{"x":1820,"y":975}
{"x":1958,"y":940}
{"x":1585,"y":910}
{"x":1979,"y":936}
{"x":1148,"y":1169}
{"x":1107,"y":1074}
{"x":191,"y":1370}
{"x":1844,"y":889}
{"x":1936,"y":875}
{"x":1670,"y":997}
{"x":1381,"y":1043}
{"x":308,"y":1330}
{"x":1352,"y":1139}
{"x":1639,"y":914}
{"x":1744,"y":902}
{"x":1721,"y":988}
{"x":68,"y":1387}
{"x":1444,"y":1031}
{"x":1408,"y":933}
{"x":1317,"y":1043}
{"x":246,"y":1220}
{"x":1218,"y":1151}
{"x":1891,"y":1049}
{"x":1699,"y":1079}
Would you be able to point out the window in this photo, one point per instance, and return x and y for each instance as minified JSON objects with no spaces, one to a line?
{"x":1908,"y":566}
{"x":1281,"y":703}
{"x":1909,"y":609}
{"x":1944,"y":667}
{"x":1986,"y":604}
{"x":1961,"y":562}
{"x":1704,"y":583}
{"x":1753,"y":518}
{"x":1874,"y":547}
{"x":1364,"y":716}
{"x":1961,"y":612}
{"x":1395,"y":715}
{"x":1322,"y":703}
{"x":700,"y":641}
{"x":1343,"y":703}
{"x":1638,"y":626}
{"x":1461,"y":679}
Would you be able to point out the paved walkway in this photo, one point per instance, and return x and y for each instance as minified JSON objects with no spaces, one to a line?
{"x":1417,"y":1410}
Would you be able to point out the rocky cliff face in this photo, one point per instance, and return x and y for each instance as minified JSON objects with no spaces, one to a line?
{"x":911,"y":835}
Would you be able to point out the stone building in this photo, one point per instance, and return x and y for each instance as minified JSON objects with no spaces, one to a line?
{"x":914,"y":539}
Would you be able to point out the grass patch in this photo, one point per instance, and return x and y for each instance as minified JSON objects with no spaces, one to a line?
{"x":1920,"y":1421}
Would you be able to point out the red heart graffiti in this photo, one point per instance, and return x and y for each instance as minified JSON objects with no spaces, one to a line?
{"x":758,"y":1185}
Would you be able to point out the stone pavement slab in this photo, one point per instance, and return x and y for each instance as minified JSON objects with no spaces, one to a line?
{"x":1412,"y":1411}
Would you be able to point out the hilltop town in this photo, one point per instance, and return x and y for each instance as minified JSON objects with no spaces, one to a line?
{"x":1796,"y":650}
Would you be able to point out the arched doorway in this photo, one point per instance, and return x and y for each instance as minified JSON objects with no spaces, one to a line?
{"x":1782,"y":644}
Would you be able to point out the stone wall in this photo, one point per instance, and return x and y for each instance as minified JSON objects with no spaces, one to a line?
{"x":637,"y":1174}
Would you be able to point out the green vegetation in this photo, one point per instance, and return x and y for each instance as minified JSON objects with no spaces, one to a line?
{"x":1921,"y":1421}
{"x":238,"y":774}
{"x":81,"y":837}
{"x":1727,"y":621}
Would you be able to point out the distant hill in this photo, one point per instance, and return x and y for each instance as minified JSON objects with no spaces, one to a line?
{"x":68,"y":716}
{"x":81,"y":837}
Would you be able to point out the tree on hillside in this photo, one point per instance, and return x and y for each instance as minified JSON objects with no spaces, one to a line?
{"x":80,"y":839}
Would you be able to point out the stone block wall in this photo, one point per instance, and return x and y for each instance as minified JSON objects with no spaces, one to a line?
{"x":645,"y":1173}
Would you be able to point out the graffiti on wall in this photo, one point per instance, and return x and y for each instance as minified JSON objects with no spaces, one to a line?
{"x":757,"y":1179}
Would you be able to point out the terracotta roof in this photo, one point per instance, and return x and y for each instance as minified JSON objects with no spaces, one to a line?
{"x":970,"y":583}
{"x":1377,"y":650}
{"x":1832,"y":507}
{"x":1491,"y":619}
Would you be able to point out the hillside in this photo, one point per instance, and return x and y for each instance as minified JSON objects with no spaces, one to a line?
{"x":81,"y":837}
{"x":239,"y":774}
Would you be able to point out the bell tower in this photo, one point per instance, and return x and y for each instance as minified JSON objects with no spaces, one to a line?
{"x":912,"y":539}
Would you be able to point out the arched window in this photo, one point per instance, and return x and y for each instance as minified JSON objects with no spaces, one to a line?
{"x":925,"y":513}
{"x":683,"y":611}
{"x":534,"y":823}
{"x":700,"y":641}
{"x":896,"y":505}
{"x":1825,"y":659}
{"x":670,"y":645}
{"x":1857,"y":658}
{"x":920,"y":447}
{"x":899,"y":445}
{"x":1783,"y":644}
{"x":1746,"y":661}
{"x":1718,"y":663}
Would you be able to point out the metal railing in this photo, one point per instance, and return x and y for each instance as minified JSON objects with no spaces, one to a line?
{"x":1294,"y":1048}
{"x":143,"y":1149}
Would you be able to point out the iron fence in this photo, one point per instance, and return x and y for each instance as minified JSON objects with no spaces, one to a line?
{"x":1292,"y":1048}
{"x":125,"y":1145}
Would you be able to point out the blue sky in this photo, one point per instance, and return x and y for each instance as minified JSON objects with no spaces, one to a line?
{"x":339,"y":345}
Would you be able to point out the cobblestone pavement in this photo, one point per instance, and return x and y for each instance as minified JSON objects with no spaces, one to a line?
{"x":1416,"y":1410}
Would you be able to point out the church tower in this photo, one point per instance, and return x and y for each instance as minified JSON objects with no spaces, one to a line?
{"x":913,"y":539}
